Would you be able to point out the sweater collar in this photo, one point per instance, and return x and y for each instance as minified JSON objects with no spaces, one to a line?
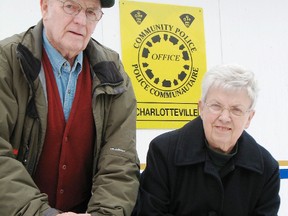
{"x":191,"y":148}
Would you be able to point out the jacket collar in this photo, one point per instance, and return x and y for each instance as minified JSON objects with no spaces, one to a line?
{"x":103,"y":64}
{"x":29,"y":52}
{"x":191,"y":148}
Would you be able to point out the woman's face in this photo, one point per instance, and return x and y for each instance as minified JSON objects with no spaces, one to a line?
{"x":225,"y":115}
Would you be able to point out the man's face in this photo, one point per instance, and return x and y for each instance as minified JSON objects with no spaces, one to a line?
{"x":225,"y":115}
{"x":67,"y":33}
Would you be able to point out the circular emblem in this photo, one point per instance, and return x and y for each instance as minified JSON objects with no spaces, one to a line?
{"x":165,"y":61}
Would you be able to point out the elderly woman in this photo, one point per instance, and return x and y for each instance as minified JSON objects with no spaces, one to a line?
{"x":212,"y":166}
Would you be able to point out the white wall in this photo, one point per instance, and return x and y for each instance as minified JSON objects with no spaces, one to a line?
{"x":252,"y":33}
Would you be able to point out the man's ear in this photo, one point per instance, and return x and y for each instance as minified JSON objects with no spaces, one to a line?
{"x":43,"y":6}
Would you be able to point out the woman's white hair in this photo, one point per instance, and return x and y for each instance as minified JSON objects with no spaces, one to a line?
{"x":231,"y":77}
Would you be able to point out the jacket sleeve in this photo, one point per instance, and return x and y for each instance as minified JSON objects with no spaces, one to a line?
{"x":154,"y":192}
{"x":18,"y":193}
{"x":116,"y":182}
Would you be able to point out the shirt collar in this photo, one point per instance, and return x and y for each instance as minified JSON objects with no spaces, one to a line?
{"x":218,"y":158}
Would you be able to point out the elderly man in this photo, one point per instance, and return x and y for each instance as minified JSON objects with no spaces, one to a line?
{"x":68,"y":118}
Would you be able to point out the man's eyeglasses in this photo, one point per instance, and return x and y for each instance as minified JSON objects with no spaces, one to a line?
{"x":216,"y":108}
{"x":74,"y":8}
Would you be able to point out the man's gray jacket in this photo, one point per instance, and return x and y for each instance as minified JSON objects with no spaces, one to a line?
{"x":23,"y":120}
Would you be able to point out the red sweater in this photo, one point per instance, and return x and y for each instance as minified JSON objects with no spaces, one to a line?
{"x":64,"y":171}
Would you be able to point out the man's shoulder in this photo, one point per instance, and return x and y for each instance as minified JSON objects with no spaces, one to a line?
{"x":9,"y":41}
{"x":101,"y":48}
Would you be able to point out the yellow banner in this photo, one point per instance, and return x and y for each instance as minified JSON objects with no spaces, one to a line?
{"x":163,"y":51}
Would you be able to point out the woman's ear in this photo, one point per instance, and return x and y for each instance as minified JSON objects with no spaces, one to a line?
{"x":251,"y":115}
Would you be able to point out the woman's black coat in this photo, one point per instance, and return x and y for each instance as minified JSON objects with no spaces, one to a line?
{"x":180,"y":179}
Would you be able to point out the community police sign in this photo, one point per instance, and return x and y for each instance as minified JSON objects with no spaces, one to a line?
{"x":163,"y":51}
